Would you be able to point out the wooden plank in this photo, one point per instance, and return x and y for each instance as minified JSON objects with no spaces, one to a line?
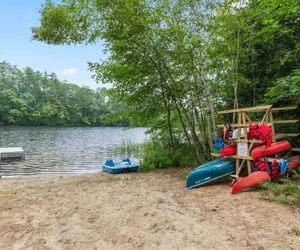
{"x":238,"y":171}
{"x":245,"y":124}
{"x":215,"y":155}
{"x":278,"y":136}
{"x":241,"y":125}
{"x":251,"y":109}
{"x":248,"y":157}
{"x":255,"y":109}
{"x":273,"y":127}
{"x":247,"y":116}
{"x":249,"y":167}
{"x":237,"y":162}
{"x":265,"y":116}
{"x":237,"y":165}
{"x":285,"y":121}
{"x":244,"y":140}
{"x":233,"y":156}
{"x":284,"y":108}
{"x":295,"y":149}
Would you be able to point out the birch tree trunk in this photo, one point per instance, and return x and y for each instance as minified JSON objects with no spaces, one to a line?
{"x":211,"y":123}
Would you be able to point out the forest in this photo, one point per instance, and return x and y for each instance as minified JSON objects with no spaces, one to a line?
{"x":29,"y":97}
{"x":174,"y":63}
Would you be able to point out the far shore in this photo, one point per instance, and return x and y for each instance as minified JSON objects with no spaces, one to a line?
{"x":139,"y":211}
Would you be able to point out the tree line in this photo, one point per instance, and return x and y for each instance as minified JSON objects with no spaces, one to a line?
{"x":29,"y":97}
{"x":173,"y":63}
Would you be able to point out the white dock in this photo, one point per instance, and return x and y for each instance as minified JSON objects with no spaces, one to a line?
{"x":13,"y":152}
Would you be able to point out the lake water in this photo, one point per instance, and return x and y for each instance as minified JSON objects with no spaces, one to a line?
{"x":61,"y":150}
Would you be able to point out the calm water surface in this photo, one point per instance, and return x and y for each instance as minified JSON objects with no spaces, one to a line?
{"x":52,"y":150}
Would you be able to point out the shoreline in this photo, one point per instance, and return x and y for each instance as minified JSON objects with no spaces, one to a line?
{"x":139,"y":211}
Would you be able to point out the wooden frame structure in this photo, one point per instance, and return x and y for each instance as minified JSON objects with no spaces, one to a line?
{"x":243,"y":122}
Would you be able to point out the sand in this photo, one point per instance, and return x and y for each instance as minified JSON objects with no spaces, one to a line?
{"x":139,"y":211}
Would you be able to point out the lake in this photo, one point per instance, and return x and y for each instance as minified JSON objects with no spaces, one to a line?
{"x":63,"y":150}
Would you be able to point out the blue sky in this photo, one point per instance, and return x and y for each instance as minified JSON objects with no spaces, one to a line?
{"x":68,"y":62}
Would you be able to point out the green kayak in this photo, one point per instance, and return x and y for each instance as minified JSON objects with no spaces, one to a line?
{"x":210,"y":171}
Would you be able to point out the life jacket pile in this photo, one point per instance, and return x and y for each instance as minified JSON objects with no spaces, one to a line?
{"x":274,"y":169}
{"x":262,"y":132}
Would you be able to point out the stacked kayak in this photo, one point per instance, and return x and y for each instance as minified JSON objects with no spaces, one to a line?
{"x":210,"y":171}
{"x":275,"y":148}
{"x":119,"y":167}
{"x":258,"y":177}
{"x":228,"y":150}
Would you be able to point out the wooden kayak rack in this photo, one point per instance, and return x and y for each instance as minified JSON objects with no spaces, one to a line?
{"x":243,"y":122}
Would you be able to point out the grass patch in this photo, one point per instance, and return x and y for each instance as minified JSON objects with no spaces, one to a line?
{"x":112,"y":179}
{"x":130,"y":149}
{"x":7,"y":192}
{"x":295,"y":230}
{"x":284,"y":191}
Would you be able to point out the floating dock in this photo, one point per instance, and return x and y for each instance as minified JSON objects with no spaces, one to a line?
{"x":12,"y":152}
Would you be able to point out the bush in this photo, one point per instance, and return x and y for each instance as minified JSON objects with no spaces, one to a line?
{"x":146,"y":167}
{"x":155,"y":153}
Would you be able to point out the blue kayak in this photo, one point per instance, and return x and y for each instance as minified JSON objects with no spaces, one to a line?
{"x":210,"y":171}
{"x":119,"y":167}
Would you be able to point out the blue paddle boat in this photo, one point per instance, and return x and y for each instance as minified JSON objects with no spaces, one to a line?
{"x":210,"y":171}
{"x":119,"y":167}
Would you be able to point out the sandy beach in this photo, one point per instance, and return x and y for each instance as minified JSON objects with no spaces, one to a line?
{"x":139,"y":211}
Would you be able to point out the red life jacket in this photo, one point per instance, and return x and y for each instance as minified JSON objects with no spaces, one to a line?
{"x":252,"y":130}
{"x":259,"y":166}
{"x":264,"y":133}
{"x":273,"y":170}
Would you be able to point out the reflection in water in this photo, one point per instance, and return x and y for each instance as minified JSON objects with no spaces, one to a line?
{"x":52,"y":150}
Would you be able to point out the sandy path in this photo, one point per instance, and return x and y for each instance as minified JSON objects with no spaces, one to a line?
{"x":138,"y":211}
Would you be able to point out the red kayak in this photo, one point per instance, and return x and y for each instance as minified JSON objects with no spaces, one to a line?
{"x":228,"y":150}
{"x":260,"y":176}
{"x":275,"y":148}
{"x":250,"y":181}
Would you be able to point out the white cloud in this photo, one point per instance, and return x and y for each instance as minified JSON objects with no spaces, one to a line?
{"x":69,"y":71}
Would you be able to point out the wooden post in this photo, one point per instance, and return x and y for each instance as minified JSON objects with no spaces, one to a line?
{"x":246,"y":137}
{"x":272,"y":126}
{"x":239,"y":123}
{"x":237,"y":162}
